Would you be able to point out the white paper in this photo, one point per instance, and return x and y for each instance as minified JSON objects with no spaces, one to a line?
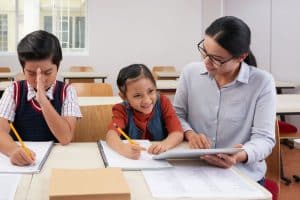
{"x":41,"y":150}
{"x":8,"y":186}
{"x":200,"y":181}
{"x":145,"y":161}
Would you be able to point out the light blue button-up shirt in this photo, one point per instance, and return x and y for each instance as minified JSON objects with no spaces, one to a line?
{"x":241,"y":112}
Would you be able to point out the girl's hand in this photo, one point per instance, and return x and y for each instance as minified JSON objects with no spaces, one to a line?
{"x":132,"y":151}
{"x":197,"y":140}
{"x":19,"y":157}
{"x":157,"y":148}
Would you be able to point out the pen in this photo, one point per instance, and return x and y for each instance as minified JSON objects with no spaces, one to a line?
{"x":124,"y":134}
{"x":20,"y":140}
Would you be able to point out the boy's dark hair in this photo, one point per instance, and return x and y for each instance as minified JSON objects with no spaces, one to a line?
{"x":234,"y":35}
{"x":134,"y":71}
{"x":39,"y":45}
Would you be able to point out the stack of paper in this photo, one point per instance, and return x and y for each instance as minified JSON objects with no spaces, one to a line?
{"x":8,"y":185}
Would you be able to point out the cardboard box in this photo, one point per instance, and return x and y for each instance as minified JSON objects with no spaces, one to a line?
{"x":88,"y":184}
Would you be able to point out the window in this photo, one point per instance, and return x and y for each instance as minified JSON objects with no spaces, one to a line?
{"x":3,"y":32}
{"x":64,"y":18}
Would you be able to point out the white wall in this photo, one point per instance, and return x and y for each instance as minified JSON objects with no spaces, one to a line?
{"x":124,"y":32}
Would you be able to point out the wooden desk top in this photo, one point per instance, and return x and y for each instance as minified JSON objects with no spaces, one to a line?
{"x":82,"y":75}
{"x":164,"y":74}
{"x":85,"y":155}
{"x":166,"y":84}
{"x":283,"y":85}
{"x":288,"y":104}
{"x":91,"y":101}
{"x":8,"y":74}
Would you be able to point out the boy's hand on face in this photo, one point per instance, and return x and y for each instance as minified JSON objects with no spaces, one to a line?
{"x":19,"y":157}
{"x":41,"y":93}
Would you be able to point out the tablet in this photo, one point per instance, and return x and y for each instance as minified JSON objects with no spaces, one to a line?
{"x":193,"y":153}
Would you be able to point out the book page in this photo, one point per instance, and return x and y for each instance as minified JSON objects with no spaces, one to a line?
{"x":200,"y":181}
{"x":114,"y":159}
{"x":41,"y":149}
{"x":8,"y":185}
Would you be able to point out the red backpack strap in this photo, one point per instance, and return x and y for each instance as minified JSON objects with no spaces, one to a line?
{"x":17,"y":93}
{"x":64,"y":92}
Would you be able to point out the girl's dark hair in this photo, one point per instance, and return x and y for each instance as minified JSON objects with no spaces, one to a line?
{"x":134,"y":71}
{"x":39,"y":45}
{"x":234,"y":35}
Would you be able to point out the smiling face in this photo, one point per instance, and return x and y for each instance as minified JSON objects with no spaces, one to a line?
{"x":218,"y":53}
{"x":141,"y":94}
{"x":48,"y":69}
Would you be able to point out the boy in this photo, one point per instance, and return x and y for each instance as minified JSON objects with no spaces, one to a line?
{"x":40,"y":107}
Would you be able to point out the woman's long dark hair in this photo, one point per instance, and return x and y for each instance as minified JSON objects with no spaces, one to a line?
{"x":234,"y":35}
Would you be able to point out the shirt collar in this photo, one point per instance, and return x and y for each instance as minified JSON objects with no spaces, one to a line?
{"x":32,"y":93}
{"x":243,"y":75}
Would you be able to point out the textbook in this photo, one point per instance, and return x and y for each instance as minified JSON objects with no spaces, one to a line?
{"x":114,"y":159}
{"x":180,"y":153}
{"x":42,"y":150}
{"x":91,"y":184}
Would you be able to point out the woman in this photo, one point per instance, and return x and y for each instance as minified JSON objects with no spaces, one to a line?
{"x":225,"y":101}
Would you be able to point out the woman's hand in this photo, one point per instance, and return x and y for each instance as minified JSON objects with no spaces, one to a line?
{"x":197,"y":140}
{"x":226,"y":160}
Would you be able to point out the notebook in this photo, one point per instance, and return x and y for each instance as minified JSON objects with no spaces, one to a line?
{"x":114,"y":159}
{"x":180,"y":153}
{"x":41,"y":149}
{"x":92,"y":184}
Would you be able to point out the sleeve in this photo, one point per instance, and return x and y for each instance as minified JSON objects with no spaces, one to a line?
{"x":70,"y":105}
{"x":181,"y":102}
{"x":7,"y":104}
{"x":119,"y":116}
{"x":262,"y":138}
{"x":171,"y":120}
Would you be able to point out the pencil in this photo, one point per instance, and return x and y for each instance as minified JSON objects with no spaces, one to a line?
{"x":124,"y":134}
{"x":20,"y":140}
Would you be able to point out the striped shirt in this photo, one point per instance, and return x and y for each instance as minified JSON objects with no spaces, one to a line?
{"x":8,"y":105}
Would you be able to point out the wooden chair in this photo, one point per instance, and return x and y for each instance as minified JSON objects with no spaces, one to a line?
{"x":156,"y":69}
{"x":93,"y":89}
{"x":82,"y":69}
{"x":4,"y":69}
{"x":93,"y":125}
{"x":273,"y":167}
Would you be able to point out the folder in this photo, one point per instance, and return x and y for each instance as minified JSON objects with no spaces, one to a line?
{"x":91,"y":184}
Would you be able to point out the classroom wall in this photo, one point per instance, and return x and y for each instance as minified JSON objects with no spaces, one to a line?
{"x":138,"y":31}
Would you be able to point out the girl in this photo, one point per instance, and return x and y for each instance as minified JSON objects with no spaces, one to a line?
{"x":144,"y":114}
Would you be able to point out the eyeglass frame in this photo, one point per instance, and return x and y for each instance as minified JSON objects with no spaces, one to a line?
{"x":211,"y":57}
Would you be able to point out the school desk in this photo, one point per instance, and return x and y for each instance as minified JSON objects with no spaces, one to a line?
{"x":82,"y":75}
{"x":8,"y":75}
{"x":3,"y":86}
{"x":91,"y":101}
{"x":167,"y":75}
{"x":280,"y":85}
{"x":167,"y":86}
{"x":86,"y":155}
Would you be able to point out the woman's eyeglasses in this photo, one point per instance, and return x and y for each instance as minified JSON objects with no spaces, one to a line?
{"x":217,"y":62}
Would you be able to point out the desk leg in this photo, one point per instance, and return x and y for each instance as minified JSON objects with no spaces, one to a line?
{"x":284,"y":178}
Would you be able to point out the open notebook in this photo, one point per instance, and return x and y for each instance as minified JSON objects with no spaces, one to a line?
{"x":113,"y":159}
{"x":41,"y":149}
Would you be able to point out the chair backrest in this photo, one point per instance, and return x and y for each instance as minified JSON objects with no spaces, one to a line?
{"x":162,"y":69}
{"x":273,"y":161}
{"x":4,"y":69}
{"x":81,"y":69}
{"x":93,"y":125}
{"x":93,"y":89}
